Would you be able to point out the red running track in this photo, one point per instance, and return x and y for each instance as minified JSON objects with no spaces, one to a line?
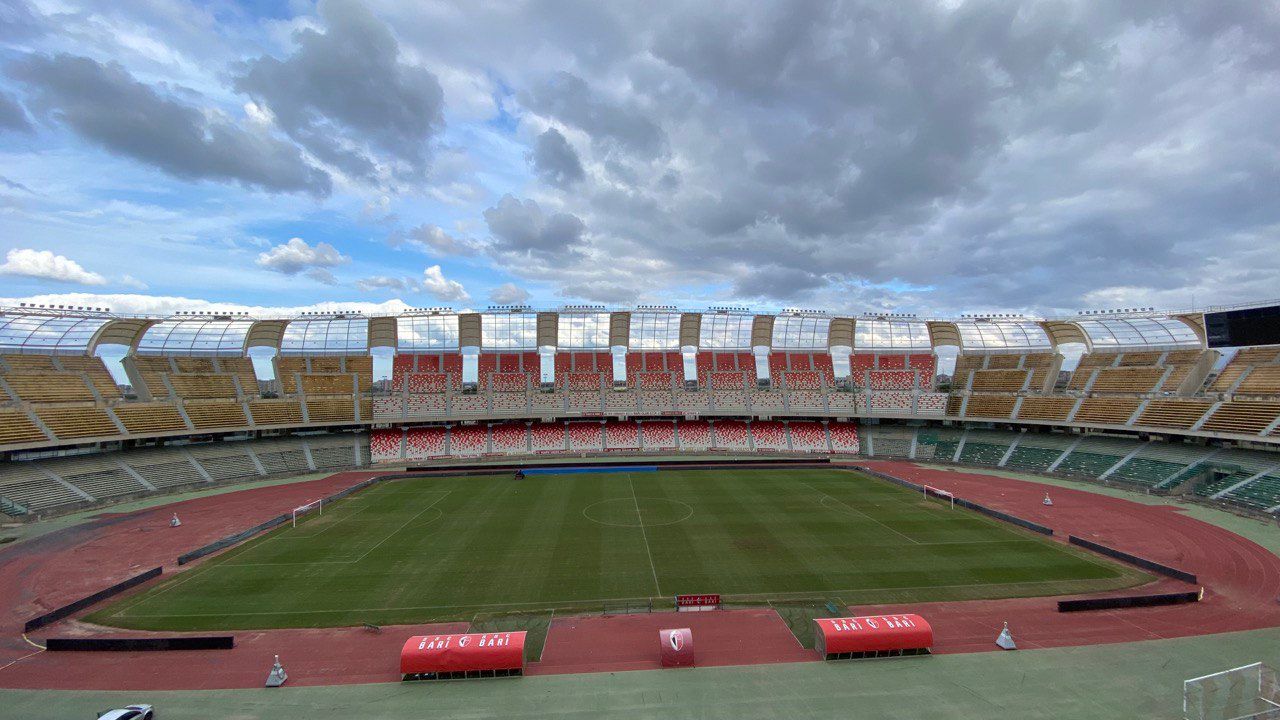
{"x":38,"y":575}
{"x":1242,"y":579}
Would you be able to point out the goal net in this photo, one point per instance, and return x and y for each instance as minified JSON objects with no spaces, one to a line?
{"x":940,"y":494}
{"x":1244,"y":693}
{"x":316,"y":506}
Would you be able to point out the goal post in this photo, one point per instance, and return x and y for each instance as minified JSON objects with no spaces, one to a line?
{"x":1248,"y":692}
{"x":315,"y":505}
{"x":939,"y":493}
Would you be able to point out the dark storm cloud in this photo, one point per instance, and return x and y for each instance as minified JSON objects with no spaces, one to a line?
{"x":520,"y":229}
{"x":107,"y":106}
{"x":345,"y":95}
{"x":555,"y":161}
{"x":569,"y":99}
{"x":12,"y":116}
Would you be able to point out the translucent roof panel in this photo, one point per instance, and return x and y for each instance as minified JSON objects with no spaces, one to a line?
{"x":801,"y":332}
{"x":654,"y":331}
{"x":1117,"y":333}
{"x":48,"y":333}
{"x":582,"y":331}
{"x":1003,"y":335}
{"x":891,"y":335}
{"x":196,"y":337}
{"x":427,"y":332}
{"x":725,"y":331}
{"x":509,"y":331}
{"x":334,"y":336}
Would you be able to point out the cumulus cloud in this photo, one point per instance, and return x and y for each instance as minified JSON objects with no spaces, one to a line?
{"x":569,"y":99}
{"x":521,"y":228}
{"x":433,"y":239}
{"x":509,"y":294}
{"x":555,"y":161}
{"x":433,"y":283}
{"x":161,"y":305}
{"x":346,"y":95}
{"x":45,"y":265}
{"x":106,"y":105}
{"x":297,"y":256}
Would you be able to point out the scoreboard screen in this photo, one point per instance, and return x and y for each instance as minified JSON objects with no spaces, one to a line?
{"x":1243,"y":328}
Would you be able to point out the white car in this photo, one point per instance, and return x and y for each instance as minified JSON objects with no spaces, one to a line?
{"x":131,"y":712}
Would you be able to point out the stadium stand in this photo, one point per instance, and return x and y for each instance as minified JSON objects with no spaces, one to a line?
{"x":694,"y":435}
{"x":1181,"y":414}
{"x":585,"y":437}
{"x":547,"y":437}
{"x":467,"y":440}
{"x":1045,"y":408}
{"x":422,"y":443}
{"x":619,"y":435}
{"x":386,"y":445}
{"x":510,"y":438}
{"x":769,"y":435}
{"x":844,"y":437}
{"x":732,"y":435}
{"x":1095,"y":455}
{"x":1106,"y":411}
{"x":1036,"y":452}
{"x":990,"y":406}
{"x":808,"y":437}
{"x":1242,"y":417}
{"x":658,"y":435}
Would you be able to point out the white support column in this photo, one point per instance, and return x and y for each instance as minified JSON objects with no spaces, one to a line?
{"x":1247,"y":372}
{"x":1071,"y":448}
{"x":1203,"y":459}
{"x":58,"y":479}
{"x":1093,"y":377}
{"x":134,"y":474}
{"x":1244,"y":482}
{"x":964,"y":406}
{"x":1009,"y":453}
{"x":1159,"y":386}
{"x":1137,"y":413}
{"x":185,"y":417}
{"x":1207,"y":414}
{"x":871,"y":445}
{"x":915,"y":434}
{"x":35,"y":420}
{"x":253,"y":456}
{"x":1123,"y":460}
{"x":112,"y":417}
{"x":955,"y":457}
{"x":248,"y":414}
{"x":1071,"y":416}
{"x":355,"y":450}
{"x":199,"y":468}
{"x":1272,"y":427}
{"x":306,"y":455}
{"x":1017,"y":407}
{"x":404,"y":442}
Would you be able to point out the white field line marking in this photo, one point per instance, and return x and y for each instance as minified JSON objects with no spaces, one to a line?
{"x":570,"y":604}
{"x":886,"y":527}
{"x":406,"y":524}
{"x":24,"y":657}
{"x":645,"y":534}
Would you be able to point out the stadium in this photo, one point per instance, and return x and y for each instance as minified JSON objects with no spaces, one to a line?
{"x":559,"y":359}
{"x":583,"y":476}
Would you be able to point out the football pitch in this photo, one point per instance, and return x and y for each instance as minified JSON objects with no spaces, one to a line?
{"x":457,"y":548}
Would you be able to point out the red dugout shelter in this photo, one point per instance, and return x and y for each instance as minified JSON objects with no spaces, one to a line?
{"x":872,"y":636}
{"x":457,"y":656}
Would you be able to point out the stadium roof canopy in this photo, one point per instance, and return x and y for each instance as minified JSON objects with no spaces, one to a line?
{"x":877,"y":334}
{"x":196,"y":336}
{"x":582,"y":330}
{"x":1003,"y":335}
{"x":654,"y":330}
{"x":433,"y":332}
{"x":1138,"y":333}
{"x":60,"y":334}
{"x":725,"y":331}
{"x":805,"y":331}
{"x":326,"y":336}
{"x":513,"y":330}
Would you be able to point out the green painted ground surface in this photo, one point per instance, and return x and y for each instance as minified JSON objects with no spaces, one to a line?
{"x":449,"y":548}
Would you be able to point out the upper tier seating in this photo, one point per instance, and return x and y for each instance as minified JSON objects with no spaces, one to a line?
{"x":49,"y":387}
{"x":990,"y":406}
{"x":16,"y":427}
{"x":1106,"y":411}
{"x":1010,"y":381}
{"x":96,"y":371}
{"x":331,"y":409}
{"x":76,"y":421}
{"x":1045,"y":408}
{"x":203,"y":386}
{"x":149,"y":417}
{"x":1181,"y":414}
{"x":891,"y":379}
{"x":276,"y":412}
{"x":211,"y":414}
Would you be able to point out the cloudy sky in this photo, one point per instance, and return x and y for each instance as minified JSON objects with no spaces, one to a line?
{"x":932,"y":157}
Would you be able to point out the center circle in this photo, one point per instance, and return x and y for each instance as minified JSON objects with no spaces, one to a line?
{"x":637,"y":512}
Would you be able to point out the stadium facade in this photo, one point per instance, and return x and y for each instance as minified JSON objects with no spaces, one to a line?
{"x":1150,"y":402}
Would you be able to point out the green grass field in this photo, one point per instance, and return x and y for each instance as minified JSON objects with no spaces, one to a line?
{"x":457,"y":548}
